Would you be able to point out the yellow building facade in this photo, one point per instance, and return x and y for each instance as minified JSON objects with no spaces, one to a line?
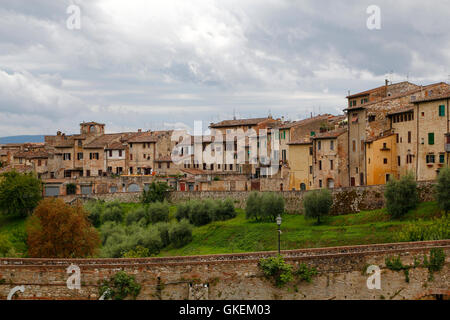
{"x":381,"y":159}
{"x":300,"y":163}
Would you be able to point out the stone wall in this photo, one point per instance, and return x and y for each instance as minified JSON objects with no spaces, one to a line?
{"x":345,"y":200}
{"x":237,"y":276}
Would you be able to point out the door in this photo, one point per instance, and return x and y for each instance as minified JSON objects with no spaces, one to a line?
{"x":352,"y":181}
{"x":330,"y":183}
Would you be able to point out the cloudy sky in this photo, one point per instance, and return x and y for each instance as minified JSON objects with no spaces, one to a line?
{"x":155,"y":64}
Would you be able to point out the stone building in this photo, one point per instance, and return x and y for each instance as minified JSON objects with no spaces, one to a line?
{"x":330,"y":159}
{"x":300,"y":164}
{"x":382,"y":161}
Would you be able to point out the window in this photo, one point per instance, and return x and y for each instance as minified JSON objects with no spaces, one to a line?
{"x":331,"y":165}
{"x":385,"y":161}
{"x":441,"y":158}
{"x":431,"y":138}
{"x":231,"y":167}
{"x":409,"y":136}
{"x":131,"y":146}
{"x":109,"y":169}
{"x":67,"y":174}
{"x":319,"y":145}
{"x":387,"y":177}
{"x":168,"y":165}
{"x":354,"y":146}
{"x":80,"y":156}
{"x":94,"y":156}
{"x":88,"y":173}
{"x":39,"y":163}
{"x":283,"y":155}
{"x":66,"y":156}
{"x":362,"y":145}
{"x":120,"y":153}
{"x":320,"y":183}
{"x":320,"y":164}
{"x":100,"y":173}
{"x":430,"y":158}
{"x":423,"y":114}
{"x":110,"y":153}
{"x":80,"y":143}
{"x":398,"y":161}
{"x":131,"y":157}
{"x":159,"y":165}
{"x":371,"y":118}
{"x":331,"y":145}
{"x":310,"y":169}
{"x":310,"y":151}
{"x":441,"y":110}
{"x":313,"y":133}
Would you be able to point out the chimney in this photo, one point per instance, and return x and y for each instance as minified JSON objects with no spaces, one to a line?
{"x":386,"y":82}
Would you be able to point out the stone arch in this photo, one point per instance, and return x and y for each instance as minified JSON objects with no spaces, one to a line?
{"x":133,"y":187}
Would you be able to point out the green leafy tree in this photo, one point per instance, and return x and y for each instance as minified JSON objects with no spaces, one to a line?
{"x":253,"y":206}
{"x":119,"y":287}
{"x":442,"y":189}
{"x":180,"y":234}
{"x":157,"y":191}
{"x":401,"y":195}
{"x":317,"y":204}
{"x":19,"y":193}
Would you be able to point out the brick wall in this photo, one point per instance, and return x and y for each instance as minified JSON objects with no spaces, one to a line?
{"x":236,"y":276}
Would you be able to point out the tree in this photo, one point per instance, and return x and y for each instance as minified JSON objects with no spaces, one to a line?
{"x":157,"y":191}
{"x":401,"y":195}
{"x":442,"y":189}
{"x":317,"y":204}
{"x":19,"y":193}
{"x":58,"y":230}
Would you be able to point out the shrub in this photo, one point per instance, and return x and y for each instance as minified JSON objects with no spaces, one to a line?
{"x":163,"y":229}
{"x":137,"y":215}
{"x":58,"y":230}
{"x":119,"y":287}
{"x":439,"y":229}
{"x":224,"y":210}
{"x":199,"y":213}
{"x":442,"y":189}
{"x":5,"y":245}
{"x":158,"y":212}
{"x":157,"y":191}
{"x":182,"y":211}
{"x":305,"y":273}
{"x":401,"y":196}
{"x":113,"y":211}
{"x":253,"y":206}
{"x":277,"y":269}
{"x":180,"y":234}
{"x":138,"y":252}
{"x":317,"y":204}
{"x":19,"y":193}
{"x":95,"y":209}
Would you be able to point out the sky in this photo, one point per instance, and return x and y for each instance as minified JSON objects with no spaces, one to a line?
{"x":147,"y":64}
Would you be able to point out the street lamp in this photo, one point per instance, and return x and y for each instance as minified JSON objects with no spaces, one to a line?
{"x":279,"y":232}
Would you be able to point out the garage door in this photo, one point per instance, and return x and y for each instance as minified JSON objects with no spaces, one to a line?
{"x":51,"y":191}
{"x":86,"y":189}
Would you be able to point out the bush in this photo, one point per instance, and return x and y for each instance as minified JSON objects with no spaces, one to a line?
{"x":199,"y":213}
{"x":95,"y":209}
{"x":439,"y":229}
{"x":157,"y":191}
{"x":138,"y":252}
{"x":58,"y":230}
{"x":277,"y":269}
{"x":253,"y":206}
{"x":264,"y":206}
{"x":163,"y":229}
{"x":19,"y":193}
{"x":158,"y":212}
{"x":71,"y":188}
{"x":182,"y":211}
{"x":5,"y":245}
{"x":137,"y":215}
{"x":180,"y":234}
{"x":442,"y":189}
{"x":224,"y":210}
{"x":113,"y":211}
{"x":401,"y":196}
{"x":119,"y":287}
{"x":317,"y":204}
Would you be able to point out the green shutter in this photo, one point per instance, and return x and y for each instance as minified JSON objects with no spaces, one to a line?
{"x":441,"y":158}
{"x":431,"y":138}
{"x":441,"y":110}
{"x":313,"y":133}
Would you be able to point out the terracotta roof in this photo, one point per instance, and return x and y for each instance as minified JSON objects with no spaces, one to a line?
{"x":301,"y":141}
{"x":400,"y":110}
{"x":330,"y":134}
{"x":166,"y":158}
{"x":238,"y":122}
{"x":32,"y":154}
{"x":68,"y":142}
{"x":21,"y":168}
{"x":372,"y":139}
{"x":143,"y":137}
{"x":365,"y":93}
{"x":444,"y":95}
{"x":292,"y":124}
{"x":194,"y":171}
{"x":115,"y":146}
{"x":102,"y":141}
{"x":93,"y":123}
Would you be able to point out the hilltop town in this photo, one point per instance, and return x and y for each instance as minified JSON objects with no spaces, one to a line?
{"x":384,"y":133}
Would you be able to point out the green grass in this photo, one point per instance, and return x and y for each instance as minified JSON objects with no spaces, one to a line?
{"x":241,"y":235}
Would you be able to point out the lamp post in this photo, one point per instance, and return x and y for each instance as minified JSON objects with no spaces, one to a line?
{"x":279,"y":233}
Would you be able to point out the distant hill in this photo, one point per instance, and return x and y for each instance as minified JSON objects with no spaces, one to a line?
{"x":22,"y":139}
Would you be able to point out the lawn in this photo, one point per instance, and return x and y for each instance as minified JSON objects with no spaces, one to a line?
{"x":241,"y":235}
